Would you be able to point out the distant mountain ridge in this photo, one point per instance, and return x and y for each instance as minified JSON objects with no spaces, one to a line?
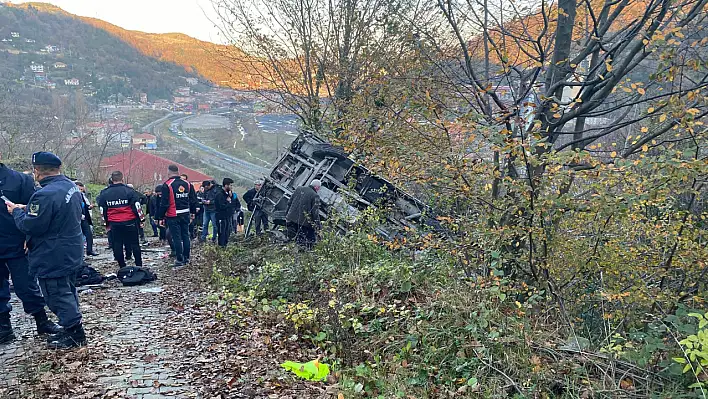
{"x":212,"y":61}
{"x":42,"y":47}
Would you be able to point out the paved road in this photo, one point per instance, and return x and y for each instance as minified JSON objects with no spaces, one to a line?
{"x":127,"y":354}
{"x":218,"y":159}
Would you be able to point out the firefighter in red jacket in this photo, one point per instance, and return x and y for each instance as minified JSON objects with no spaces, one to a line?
{"x":177,"y":208}
{"x":122,"y":211}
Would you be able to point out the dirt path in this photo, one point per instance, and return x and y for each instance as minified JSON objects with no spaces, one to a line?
{"x":156,"y":341}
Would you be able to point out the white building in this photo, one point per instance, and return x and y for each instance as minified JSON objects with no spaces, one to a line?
{"x":71,"y":82}
{"x":37,"y":68}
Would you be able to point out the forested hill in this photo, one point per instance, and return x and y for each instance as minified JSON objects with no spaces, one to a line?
{"x":69,"y":48}
{"x":211,"y":61}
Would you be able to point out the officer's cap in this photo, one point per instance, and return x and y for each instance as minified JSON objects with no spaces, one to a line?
{"x":46,"y":159}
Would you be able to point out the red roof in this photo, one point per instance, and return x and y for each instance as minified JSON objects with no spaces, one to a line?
{"x":143,"y":169}
{"x":144,"y":136}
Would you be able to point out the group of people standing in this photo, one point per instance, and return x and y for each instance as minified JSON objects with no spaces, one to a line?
{"x":171,"y":209}
{"x":42,"y":234}
{"x":220,"y":207}
{"x":174,"y":211}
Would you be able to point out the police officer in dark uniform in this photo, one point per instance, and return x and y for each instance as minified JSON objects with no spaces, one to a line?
{"x":52,"y":222}
{"x":17,"y":188}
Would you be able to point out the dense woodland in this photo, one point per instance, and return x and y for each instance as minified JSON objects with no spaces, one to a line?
{"x":562,"y":145}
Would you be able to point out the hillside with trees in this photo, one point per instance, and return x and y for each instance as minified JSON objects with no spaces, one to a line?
{"x":67,"y":47}
{"x":220,"y":64}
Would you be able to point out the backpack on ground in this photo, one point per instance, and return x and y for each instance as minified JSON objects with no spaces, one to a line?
{"x":87,"y":275}
{"x":134,"y":275}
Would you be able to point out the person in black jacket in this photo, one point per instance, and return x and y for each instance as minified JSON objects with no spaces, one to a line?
{"x":225,"y":206}
{"x":52,"y":221}
{"x":199,"y":216}
{"x":209,"y":203}
{"x":221,"y":211}
{"x":143,"y":201}
{"x":121,"y":209}
{"x":303,"y":217}
{"x":17,"y":188}
{"x":194,"y":221}
{"x":86,"y":221}
{"x":149,"y":209}
{"x":260,"y":217}
{"x":234,"y":206}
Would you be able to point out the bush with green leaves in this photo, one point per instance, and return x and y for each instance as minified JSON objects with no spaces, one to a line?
{"x":695,"y":353}
{"x":398,"y":323}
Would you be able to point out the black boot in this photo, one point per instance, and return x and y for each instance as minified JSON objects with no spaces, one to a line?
{"x":6,"y":333}
{"x":44,"y":325}
{"x":70,"y":338}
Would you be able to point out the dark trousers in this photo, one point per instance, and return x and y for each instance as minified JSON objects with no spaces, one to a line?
{"x":128,"y":250}
{"x":25,"y":286}
{"x":154,"y":227}
{"x":224,"y":231}
{"x":179,"y":227}
{"x":141,"y":233}
{"x":261,"y":219}
{"x":62,"y":299}
{"x":162,"y":232}
{"x":86,"y":230}
{"x":304,"y":236}
{"x":126,"y":234}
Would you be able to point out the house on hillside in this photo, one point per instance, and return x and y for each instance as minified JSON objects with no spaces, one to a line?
{"x":30,"y":41}
{"x":191,"y":81}
{"x":183,"y":100}
{"x":71,"y":82}
{"x":51,"y":49}
{"x":59,"y":65}
{"x":145,"y":170}
{"x":36,"y":68}
{"x":203,"y":107}
{"x":143,"y":98}
{"x":144,"y":141}
{"x":184,"y":91}
{"x":112,"y":131}
{"x":15,"y":34}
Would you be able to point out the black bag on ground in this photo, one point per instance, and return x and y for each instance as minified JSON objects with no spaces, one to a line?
{"x":87,"y":275}
{"x":134,"y":275}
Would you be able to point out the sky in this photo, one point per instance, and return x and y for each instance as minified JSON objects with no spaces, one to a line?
{"x":191,"y":17}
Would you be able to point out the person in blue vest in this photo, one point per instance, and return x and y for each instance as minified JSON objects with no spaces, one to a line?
{"x":18,"y":188}
{"x":52,"y":222}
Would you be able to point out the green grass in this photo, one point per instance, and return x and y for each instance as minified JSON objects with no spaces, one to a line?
{"x":141,"y":117}
{"x":258,"y":148}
